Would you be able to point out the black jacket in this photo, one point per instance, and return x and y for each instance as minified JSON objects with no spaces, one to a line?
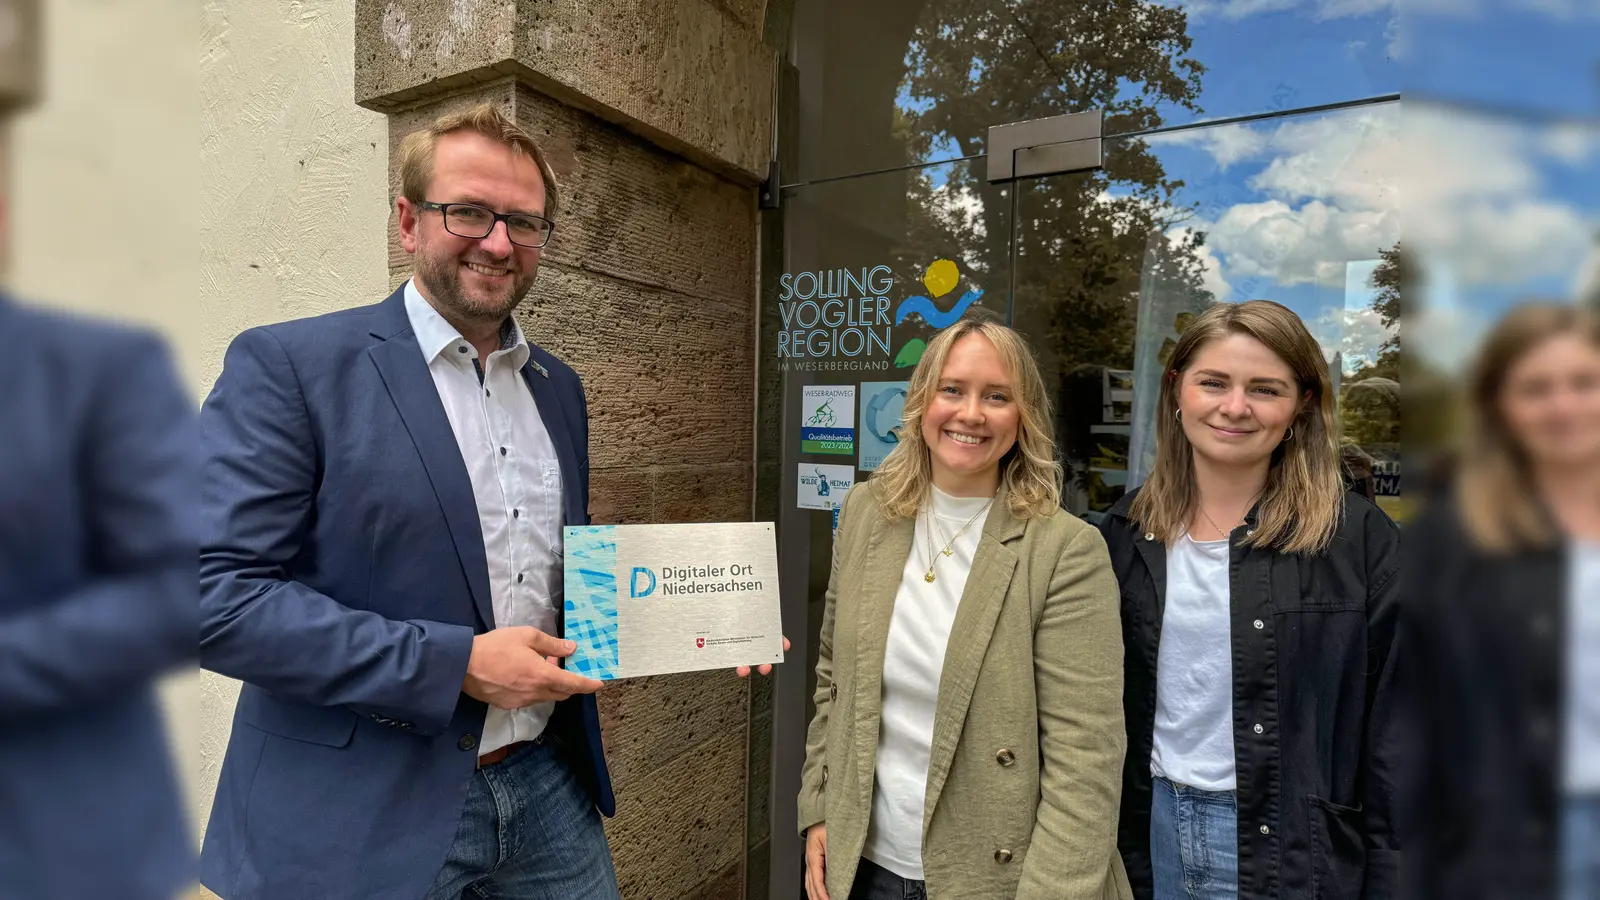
{"x":1485,"y":639}
{"x":1314,"y":668}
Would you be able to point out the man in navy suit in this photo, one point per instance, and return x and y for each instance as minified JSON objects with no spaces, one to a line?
{"x":97,"y":598}
{"x":384,"y":490}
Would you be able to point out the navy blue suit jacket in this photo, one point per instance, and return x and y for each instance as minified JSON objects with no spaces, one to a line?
{"x":342,"y":579}
{"x":97,"y":598}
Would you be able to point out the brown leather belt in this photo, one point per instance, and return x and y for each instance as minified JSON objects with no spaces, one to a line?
{"x":494,"y":756}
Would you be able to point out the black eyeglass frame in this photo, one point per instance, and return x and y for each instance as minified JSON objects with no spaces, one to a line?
{"x":444,"y":211}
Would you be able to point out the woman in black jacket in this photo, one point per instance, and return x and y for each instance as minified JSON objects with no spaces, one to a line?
{"x":1259,"y":605}
{"x":1505,"y":627}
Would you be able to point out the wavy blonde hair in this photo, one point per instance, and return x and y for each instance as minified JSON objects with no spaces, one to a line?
{"x":1500,"y":511}
{"x":1030,"y":474}
{"x":1304,"y":496}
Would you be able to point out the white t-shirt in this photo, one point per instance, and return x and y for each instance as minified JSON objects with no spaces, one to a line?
{"x":919,"y":631}
{"x":1583,"y":669}
{"x":1194,"y":670}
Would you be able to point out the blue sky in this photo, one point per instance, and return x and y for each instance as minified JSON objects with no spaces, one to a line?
{"x":1296,"y":208}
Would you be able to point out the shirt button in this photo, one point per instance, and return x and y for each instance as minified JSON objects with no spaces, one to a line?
{"x":516,"y":514}
{"x":833,"y":692}
{"x":502,"y":451}
{"x":467,"y":742}
{"x":1259,"y":729}
{"x":462,"y":349}
{"x":519,"y":578}
{"x":1002,"y":856}
{"x":1265,"y":830}
{"x":1259,"y":624}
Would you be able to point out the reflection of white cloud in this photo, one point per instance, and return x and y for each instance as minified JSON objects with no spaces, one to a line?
{"x":1357,"y":334}
{"x":1306,"y":245}
{"x":1227,"y":144}
{"x":1480,"y":197}
{"x":1331,"y":198}
{"x":1572,"y":144}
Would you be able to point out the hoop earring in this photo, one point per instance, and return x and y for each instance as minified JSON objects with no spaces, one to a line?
{"x":1178,"y":414}
{"x":1288,"y":436}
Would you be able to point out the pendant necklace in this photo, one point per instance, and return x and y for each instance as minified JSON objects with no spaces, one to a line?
{"x":933,"y":556}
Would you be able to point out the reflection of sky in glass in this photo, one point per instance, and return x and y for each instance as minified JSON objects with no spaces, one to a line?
{"x":1265,"y":56}
{"x":1296,"y":209}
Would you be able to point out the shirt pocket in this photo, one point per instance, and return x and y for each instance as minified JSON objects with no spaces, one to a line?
{"x":550,"y":483}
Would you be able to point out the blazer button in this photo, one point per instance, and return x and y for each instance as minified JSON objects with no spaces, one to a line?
{"x":1002,"y":856}
{"x":1149,"y":535}
{"x":467,"y":742}
{"x":1259,"y":624}
{"x":1005,"y":757}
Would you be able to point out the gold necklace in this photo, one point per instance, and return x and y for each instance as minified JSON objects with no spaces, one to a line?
{"x":1213,"y":522}
{"x":933,"y":556}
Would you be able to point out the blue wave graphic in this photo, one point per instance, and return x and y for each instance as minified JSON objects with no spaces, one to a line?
{"x":931,"y":314}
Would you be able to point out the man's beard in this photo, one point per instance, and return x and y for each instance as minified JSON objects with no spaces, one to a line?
{"x":442,"y":276}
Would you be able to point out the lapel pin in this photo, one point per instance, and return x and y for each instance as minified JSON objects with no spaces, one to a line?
{"x":538,"y":368}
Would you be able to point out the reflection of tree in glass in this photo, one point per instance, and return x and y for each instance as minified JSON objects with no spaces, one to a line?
{"x":977,"y":63}
{"x":1081,"y":239}
{"x":1370,"y":398}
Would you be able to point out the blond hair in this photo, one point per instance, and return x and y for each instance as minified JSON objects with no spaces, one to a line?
{"x":1030,"y":475}
{"x":1304,"y":495}
{"x":1499,"y":510}
{"x":417,"y":151}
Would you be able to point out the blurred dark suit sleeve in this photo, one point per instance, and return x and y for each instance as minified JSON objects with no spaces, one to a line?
{"x":115,"y":599}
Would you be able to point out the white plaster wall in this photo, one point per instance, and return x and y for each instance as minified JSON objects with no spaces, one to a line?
{"x":288,"y":203}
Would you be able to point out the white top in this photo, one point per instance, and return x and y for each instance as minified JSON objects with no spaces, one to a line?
{"x":919,"y":631}
{"x":1583,"y":668}
{"x":1194,"y":670}
{"x":516,"y":481}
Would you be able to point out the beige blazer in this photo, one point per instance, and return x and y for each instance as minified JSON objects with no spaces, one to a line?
{"x":1026,"y":770}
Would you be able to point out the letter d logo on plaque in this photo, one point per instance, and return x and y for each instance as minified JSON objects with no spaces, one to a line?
{"x":649,"y":588}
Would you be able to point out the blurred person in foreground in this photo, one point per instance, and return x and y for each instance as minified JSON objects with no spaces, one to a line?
{"x":1505,"y":621}
{"x":97,"y":599}
{"x":1260,"y":601}
{"x":967,"y":742}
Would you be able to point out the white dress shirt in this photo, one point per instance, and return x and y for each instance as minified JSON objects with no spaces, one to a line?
{"x":913,"y":662}
{"x":516,"y":481}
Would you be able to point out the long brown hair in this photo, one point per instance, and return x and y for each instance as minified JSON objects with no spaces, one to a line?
{"x":1500,"y":511}
{"x":1304,"y":496}
{"x":1030,"y":475}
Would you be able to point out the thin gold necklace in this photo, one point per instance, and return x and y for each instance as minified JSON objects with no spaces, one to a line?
{"x":933,"y":556}
{"x":1213,"y":522}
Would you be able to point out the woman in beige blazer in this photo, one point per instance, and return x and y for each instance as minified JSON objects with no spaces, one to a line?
{"x":968,"y":740}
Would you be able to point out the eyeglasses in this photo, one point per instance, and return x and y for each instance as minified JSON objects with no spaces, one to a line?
{"x":474,"y":222}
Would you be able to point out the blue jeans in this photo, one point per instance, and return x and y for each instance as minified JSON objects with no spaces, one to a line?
{"x":1194,"y":843}
{"x":1580,"y":851}
{"x":529,"y":831}
{"x":874,"y":882}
